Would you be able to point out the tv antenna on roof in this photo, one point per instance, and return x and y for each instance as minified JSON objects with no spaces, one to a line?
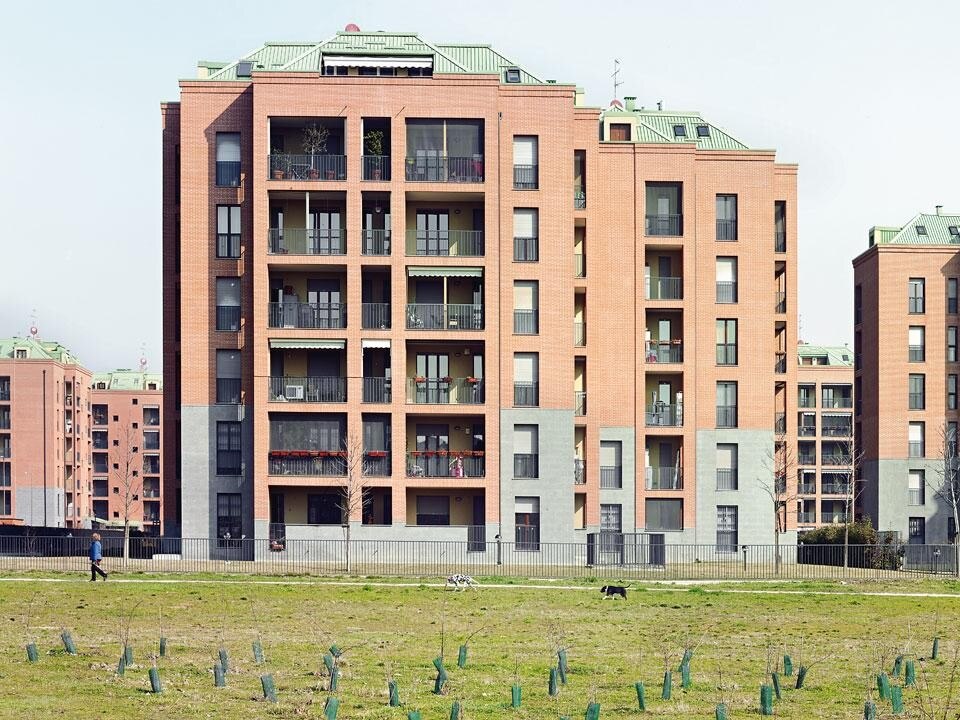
{"x":617,"y":82}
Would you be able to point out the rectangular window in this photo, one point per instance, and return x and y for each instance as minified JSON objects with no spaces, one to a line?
{"x":228,"y":159}
{"x":857,"y":304}
{"x":525,"y":162}
{"x":620,"y":132}
{"x":525,"y":451}
{"x":664,"y":514}
{"x":611,"y":519}
{"x":915,"y":290}
{"x":951,"y":392}
{"x":916,"y":483}
{"x":228,"y":304}
{"x":433,"y":509}
{"x":526,"y":374}
{"x":807,"y":396}
{"x":664,"y":211}
{"x":526,"y":513}
{"x":525,"y":235}
{"x":952,"y":296}
{"x":228,"y":448}
{"x":5,"y":388}
{"x":228,"y":231}
{"x":726,"y":342}
{"x":916,"y":531}
{"x":915,"y":341}
{"x":100,"y":440}
{"x":950,"y":441}
{"x":611,"y":464}
{"x":228,"y":377}
{"x":229,"y":520}
{"x":727,"y":466}
{"x":952,"y":343}
{"x":525,"y":304}
{"x":151,"y":440}
{"x":916,"y":440}
{"x":726,"y":280}
{"x":780,"y":226}
{"x":726,"y":217}
{"x":726,"y":404}
{"x":727,"y":528}
{"x":5,"y":446}
{"x":151,"y":415}
{"x":100,"y":414}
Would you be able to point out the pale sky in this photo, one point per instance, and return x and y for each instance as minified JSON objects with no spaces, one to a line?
{"x":861,"y":94}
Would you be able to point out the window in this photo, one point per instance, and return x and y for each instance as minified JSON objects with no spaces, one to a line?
{"x":726,"y":217}
{"x":101,"y":487}
{"x":857,"y":304}
{"x":228,"y":159}
{"x":950,"y":441}
{"x":525,"y":162}
{"x":611,"y":520}
{"x":954,"y":231}
{"x":228,"y":231}
{"x":525,"y":303}
{"x":525,"y":451}
{"x":726,"y":404}
{"x":151,"y":464}
{"x":952,"y":296}
{"x":915,"y":342}
{"x":703,"y":131}
{"x":726,"y":342}
{"x":726,"y":279}
{"x":951,"y":392}
{"x":664,"y":514}
{"x":807,"y":396}
{"x":916,"y":531}
{"x":228,"y":376}
{"x":6,"y":495}
{"x":525,"y":230}
{"x":20,"y":354}
{"x":100,"y":414}
{"x":727,"y":466}
{"x":952,"y":343}
{"x":5,"y":388}
{"x":151,"y":440}
{"x":917,"y":400}
{"x":5,"y":446}
{"x":679,"y":130}
{"x":100,"y":440}
{"x":620,"y":132}
{"x":151,"y":415}
{"x":100,"y":462}
{"x":229,"y":520}
{"x":512,"y":75}
{"x":915,"y":440}
{"x":664,"y":214}
{"x":727,"y":528}
{"x":611,"y":464}
{"x":915,"y":290}
{"x":915,"y":485}
{"x":244,"y":68}
{"x":526,"y":513}
{"x":228,"y":448}
{"x":228,"y":304}
{"x":526,"y":374}
{"x":433,"y":510}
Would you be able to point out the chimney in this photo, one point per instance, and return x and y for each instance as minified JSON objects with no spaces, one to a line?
{"x":659,"y":104}
{"x":630,"y":101}
{"x":939,"y":208}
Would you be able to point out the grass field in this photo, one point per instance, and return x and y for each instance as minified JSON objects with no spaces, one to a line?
{"x":396,"y":630}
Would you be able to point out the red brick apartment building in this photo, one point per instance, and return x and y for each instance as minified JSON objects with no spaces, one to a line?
{"x":533,"y":318}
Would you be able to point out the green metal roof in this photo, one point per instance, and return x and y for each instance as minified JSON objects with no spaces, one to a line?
{"x":657,"y":126}
{"x":37,"y":350}
{"x":936,"y":227}
{"x":127,"y":380}
{"x":830,"y":355}
{"x":308,"y":56}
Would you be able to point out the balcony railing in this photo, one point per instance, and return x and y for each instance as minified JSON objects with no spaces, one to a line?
{"x":446,"y":463}
{"x":436,"y":316}
{"x":228,"y":318}
{"x":726,"y":354}
{"x":780,"y":241}
{"x":444,"y":168}
{"x":806,"y":430}
{"x":840,"y":488}
{"x":320,"y":463}
{"x":377,"y":390}
{"x":664,"y":225}
{"x":726,"y":230}
{"x":835,"y":459}
{"x":307,"y":241}
{"x":915,"y":449}
{"x":727,"y":478}
{"x":781,"y":303}
{"x":579,"y":265}
{"x":726,"y":291}
{"x":915,"y":353}
{"x":525,"y":177}
{"x":806,"y":518}
{"x":228,"y":173}
{"x":579,"y":471}
{"x":375,"y":316}
{"x":661,"y":414}
{"x":915,"y":497}
{"x":376,"y":242}
{"x":664,"y":478}
{"x":579,"y":334}
{"x":807,"y":488}
{"x":525,"y":322}
{"x":307,"y":167}
{"x":806,"y":459}
{"x":376,"y":167}
{"x":580,"y":402}
{"x":318,"y":316}
{"x":780,"y":423}
{"x":664,"y":288}
{"x":526,"y":465}
{"x":611,"y":476}
{"x":445,"y":391}
{"x":667,"y":351}
{"x":228,"y":391}
{"x":526,"y":249}
{"x":579,"y":198}
{"x":526,"y":394}
{"x":807,"y":401}
{"x":831,"y":518}
{"x":726,"y":416}
{"x":837,"y":430}
{"x":526,"y":538}
{"x":445,"y":243}
{"x":836,"y":403}
{"x":377,"y":463}
{"x":308,"y":389}
{"x":780,"y":363}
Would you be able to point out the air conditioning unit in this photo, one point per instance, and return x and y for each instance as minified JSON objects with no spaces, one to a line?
{"x":293,"y":392}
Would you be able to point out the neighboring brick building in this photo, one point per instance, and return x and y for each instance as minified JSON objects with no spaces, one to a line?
{"x":424,"y":251}
{"x":126,"y":408}
{"x":906,"y":368}
{"x":825,"y":449}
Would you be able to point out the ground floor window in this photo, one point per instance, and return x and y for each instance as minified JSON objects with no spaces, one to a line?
{"x":433,"y":510}
{"x":324,"y":509}
{"x":229,"y":520}
{"x":916,"y":530}
{"x":527,"y":519}
{"x":726,"y":528}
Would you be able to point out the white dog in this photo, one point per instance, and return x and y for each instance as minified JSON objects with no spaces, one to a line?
{"x":460,"y":581}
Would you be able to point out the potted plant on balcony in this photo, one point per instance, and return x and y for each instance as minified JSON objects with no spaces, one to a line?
{"x":447,"y":379}
{"x":373,"y":144}
{"x":377,"y":453}
{"x":315,"y":138}
{"x":419,"y":379}
{"x":280,"y":164}
{"x":472,"y":381}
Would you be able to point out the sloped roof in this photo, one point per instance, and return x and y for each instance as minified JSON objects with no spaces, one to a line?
{"x":127,"y":380}
{"x":937,"y":227}
{"x":832,"y":355}
{"x":37,"y":350}
{"x":657,"y":126}
{"x":308,"y":56}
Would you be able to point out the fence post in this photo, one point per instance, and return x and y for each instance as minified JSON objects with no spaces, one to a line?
{"x":499,"y":549}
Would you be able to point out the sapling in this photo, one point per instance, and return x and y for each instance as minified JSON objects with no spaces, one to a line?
{"x":638,"y":686}
{"x":931,"y":709}
{"x":896,"y":700}
{"x":720,"y":712}
{"x":163,"y":638}
{"x":766,"y":700}
{"x":219,"y":679}
{"x":552,"y":687}
{"x":67,"y":639}
{"x":330,"y":708}
{"x":155,"y":685}
{"x":269,"y":688}
{"x":33,"y":655}
{"x":515,"y":692}
{"x":667,"y":691}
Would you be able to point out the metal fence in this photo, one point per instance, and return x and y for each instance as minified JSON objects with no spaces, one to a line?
{"x":610,"y":555}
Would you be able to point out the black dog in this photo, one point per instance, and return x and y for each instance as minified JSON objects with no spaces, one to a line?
{"x":613,"y":590}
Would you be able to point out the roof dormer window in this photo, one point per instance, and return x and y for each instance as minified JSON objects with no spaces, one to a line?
{"x":703,"y":131}
{"x":921,"y":230}
{"x":244,"y":68}
{"x":679,"y":130}
{"x":512,"y":75}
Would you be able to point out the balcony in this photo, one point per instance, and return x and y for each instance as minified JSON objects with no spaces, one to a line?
{"x":307,"y":241}
{"x":781,"y":302}
{"x":664,"y":225}
{"x":446,"y":463}
{"x":375,"y":316}
{"x":806,"y":430}
{"x":313,"y":463}
{"x":525,"y":177}
{"x":726,"y":291}
{"x":436,"y":316}
{"x":525,"y":322}
{"x":286,"y":166}
{"x":308,"y":389}
{"x":445,"y":243}
{"x":526,"y":465}
{"x":313,"y":316}
{"x":377,"y":390}
{"x":375,"y":242}
{"x":526,"y":394}
{"x":840,"y":402}
{"x":579,"y":334}
{"x":445,"y":391}
{"x":806,"y":488}
{"x":836,"y":459}
{"x":726,"y":230}
{"x":526,"y":249}
{"x":579,"y":198}
{"x":664,"y":478}
{"x":228,"y":391}
{"x":579,"y":265}
{"x":377,"y":463}
{"x":806,"y":518}
{"x":444,"y":168}
{"x":376,"y":168}
{"x":844,"y":430}
{"x":806,"y":458}
{"x":727,"y":479}
{"x":833,"y":518}
{"x":579,"y":471}
{"x":779,"y":423}
{"x":228,"y":318}
{"x":780,"y":363}
{"x":660,"y":414}
{"x":579,"y":403}
{"x":664,"y":351}
{"x":726,"y":416}
{"x":835,"y":488}
{"x":664,"y":288}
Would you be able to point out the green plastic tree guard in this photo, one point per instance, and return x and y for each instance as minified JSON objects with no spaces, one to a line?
{"x":122,"y":665}
{"x":330,"y":708}
{"x":515,"y":696}
{"x":869,"y":710}
{"x":219,"y":678}
{"x":414,"y":715}
{"x":335,"y":651}
{"x":897,"y":666}
{"x":667,"y":686}
{"x":163,"y":646}
{"x":269,"y":689}
{"x":334,"y":679}
{"x":593,"y":711}
{"x":685,"y":660}
{"x":788,"y":666}
{"x":552,"y":683}
{"x":224,"y":659}
{"x":455,"y":710}
{"x":883,"y":686}
{"x":394,"y":691}
{"x":721,"y":712}
{"x":910,"y":674}
{"x":32,"y":654}
{"x":801,"y":677}
{"x":462,"y":657}
{"x":128,"y":654}
{"x":438,"y":685}
{"x":685,"y":681}
{"x":766,"y":700}
{"x":896,"y":700}
{"x":935,"y":653}
{"x":438,"y":664}
{"x":155,"y":685}
{"x":561,"y":674}
{"x":328,"y":663}
{"x":562,"y":660}
{"x":775,"y":680}
{"x":257,"y":652}
{"x":641,"y":696}
{"x":68,"y":645}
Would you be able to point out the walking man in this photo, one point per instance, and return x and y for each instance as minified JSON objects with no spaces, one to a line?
{"x":96,"y":555}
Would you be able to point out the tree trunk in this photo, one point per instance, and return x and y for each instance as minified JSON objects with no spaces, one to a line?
{"x":126,"y":541}
{"x":346,"y":532}
{"x":776,"y":541}
{"x":846,"y":533}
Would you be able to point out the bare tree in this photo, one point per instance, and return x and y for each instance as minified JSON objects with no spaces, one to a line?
{"x":849,"y":461}
{"x":946,"y":486}
{"x":126,"y":474}
{"x":354,"y":497}
{"x":779,"y":464}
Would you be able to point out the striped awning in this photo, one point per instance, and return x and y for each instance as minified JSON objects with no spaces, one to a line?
{"x":375,"y":343}
{"x":377,"y":61}
{"x":276,"y":344}
{"x":444,"y":271}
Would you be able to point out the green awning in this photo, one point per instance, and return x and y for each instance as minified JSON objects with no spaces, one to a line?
{"x":444,"y":271}
{"x":276,"y":344}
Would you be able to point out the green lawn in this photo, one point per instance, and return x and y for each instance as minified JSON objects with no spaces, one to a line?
{"x":611,"y":644}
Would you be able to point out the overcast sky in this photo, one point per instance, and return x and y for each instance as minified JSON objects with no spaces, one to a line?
{"x":861,"y":94}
